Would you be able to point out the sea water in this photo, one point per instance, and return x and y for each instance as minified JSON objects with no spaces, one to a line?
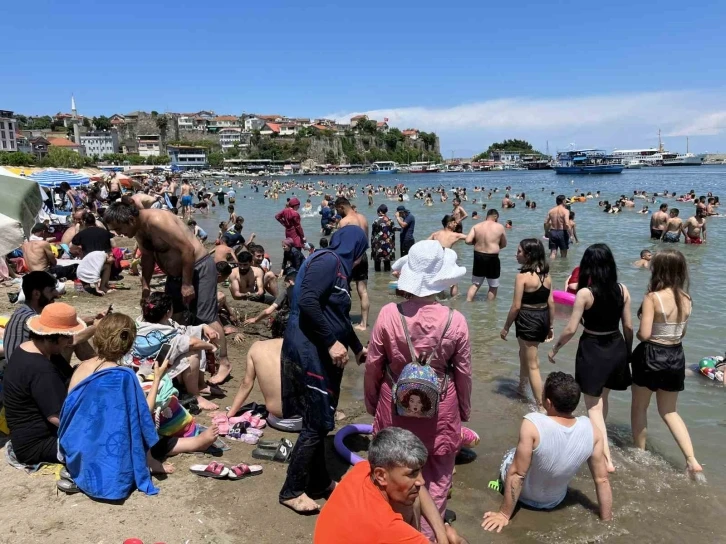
{"x":653,"y":499}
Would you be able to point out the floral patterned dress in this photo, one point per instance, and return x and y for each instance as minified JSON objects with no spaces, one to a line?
{"x":383,"y":240}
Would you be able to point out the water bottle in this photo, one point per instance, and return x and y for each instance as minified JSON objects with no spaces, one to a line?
{"x":78,"y":285}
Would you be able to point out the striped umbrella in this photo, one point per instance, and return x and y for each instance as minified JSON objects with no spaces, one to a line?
{"x":53,"y":178}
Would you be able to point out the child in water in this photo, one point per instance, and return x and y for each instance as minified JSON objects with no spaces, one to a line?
{"x":508,"y":224}
{"x":644,"y":261}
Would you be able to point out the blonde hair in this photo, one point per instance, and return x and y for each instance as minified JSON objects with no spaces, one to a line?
{"x":114,"y":336}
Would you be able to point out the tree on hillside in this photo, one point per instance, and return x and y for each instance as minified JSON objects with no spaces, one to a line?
{"x":16,"y":158}
{"x":102,"y":123}
{"x":517,"y":146}
{"x":215,"y":159}
{"x":60,"y":157}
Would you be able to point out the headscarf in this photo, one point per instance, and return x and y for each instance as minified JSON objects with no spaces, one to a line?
{"x":349,"y":243}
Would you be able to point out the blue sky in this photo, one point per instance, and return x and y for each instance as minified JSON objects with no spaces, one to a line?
{"x":595,"y":74}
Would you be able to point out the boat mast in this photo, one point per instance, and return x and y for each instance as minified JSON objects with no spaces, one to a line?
{"x":686,"y":144}
{"x":660,"y":143}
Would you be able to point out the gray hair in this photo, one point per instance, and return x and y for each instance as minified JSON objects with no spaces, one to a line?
{"x":395,"y":447}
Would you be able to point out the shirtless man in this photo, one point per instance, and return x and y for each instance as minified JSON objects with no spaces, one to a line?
{"x":359,"y":274}
{"x":143,"y":201}
{"x":171,"y":192}
{"x":672,"y":232}
{"x":114,"y":190}
{"x":447,"y":237}
{"x":263,"y":364}
{"x":39,"y":256}
{"x":259,"y":261}
{"x":79,"y":221}
{"x":506,"y":201}
{"x":223,"y":252}
{"x":559,"y":221}
{"x":488,"y":238}
{"x":186,"y":199}
{"x":658,"y":222}
{"x":459,"y":215}
{"x":694,"y":228}
{"x":246,"y":281}
{"x":191,"y":280}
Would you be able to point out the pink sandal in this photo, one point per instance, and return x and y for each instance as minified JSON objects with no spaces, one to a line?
{"x":241,"y":471}
{"x":256,"y":422}
{"x":222,"y":423}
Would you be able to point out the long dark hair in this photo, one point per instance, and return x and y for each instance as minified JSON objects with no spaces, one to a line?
{"x":599,"y":273}
{"x":669,"y":270}
{"x":534,"y":255}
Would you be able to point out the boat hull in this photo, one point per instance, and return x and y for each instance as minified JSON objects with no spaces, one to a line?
{"x":394,"y":171}
{"x":596,"y":169}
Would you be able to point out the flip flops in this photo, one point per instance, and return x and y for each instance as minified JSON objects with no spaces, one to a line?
{"x":469,"y":438}
{"x":256,"y":422}
{"x":280,"y":454}
{"x":272,"y":444}
{"x":238,"y":432}
{"x":242,"y":470}
{"x":212,"y":470}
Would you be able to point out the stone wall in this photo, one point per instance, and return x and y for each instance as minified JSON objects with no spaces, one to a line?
{"x":146,"y":124}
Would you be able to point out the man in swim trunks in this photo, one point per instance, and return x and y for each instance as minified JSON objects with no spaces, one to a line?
{"x":459,"y":215}
{"x":186,"y":199}
{"x":694,"y":228}
{"x":164,"y":240}
{"x":559,"y":235}
{"x":447,"y":237}
{"x":488,"y":238}
{"x":672,"y":232}
{"x":359,"y":274}
{"x":659,"y":222}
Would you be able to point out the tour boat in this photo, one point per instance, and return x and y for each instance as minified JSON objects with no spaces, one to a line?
{"x":384,"y":167}
{"x":587,"y":161}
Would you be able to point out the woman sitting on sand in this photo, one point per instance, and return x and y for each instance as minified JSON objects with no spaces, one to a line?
{"x":106,"y":405}
{"x":603,"y":352}
{"x":421,"y":327}
{"x":659,"y":364}
{"x":188,"y":345}
{"x":532,"y":312}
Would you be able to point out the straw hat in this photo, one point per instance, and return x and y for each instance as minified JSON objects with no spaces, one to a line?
{"x":56,"y":318}
{"x":428,"y":269}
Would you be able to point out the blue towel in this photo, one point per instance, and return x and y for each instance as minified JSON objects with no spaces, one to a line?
{"x":105,"y":431}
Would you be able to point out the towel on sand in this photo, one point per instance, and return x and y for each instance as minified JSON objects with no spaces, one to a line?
{"x":105,"y":432}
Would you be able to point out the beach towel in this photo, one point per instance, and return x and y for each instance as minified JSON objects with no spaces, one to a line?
{"x":104,"y":434}
{"x":89,"y":269}
{"x":151,"y":336}
{"x":28,"y":469}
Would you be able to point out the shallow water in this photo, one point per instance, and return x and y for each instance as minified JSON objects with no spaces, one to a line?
{"x":653,"y":500}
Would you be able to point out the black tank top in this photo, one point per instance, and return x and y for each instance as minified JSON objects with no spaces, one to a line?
{"x":540,"y":296}
{"x":604,"y":316}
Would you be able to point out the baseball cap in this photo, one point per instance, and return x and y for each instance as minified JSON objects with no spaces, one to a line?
{"x":382,"y":208}
{"x":401,"y":209}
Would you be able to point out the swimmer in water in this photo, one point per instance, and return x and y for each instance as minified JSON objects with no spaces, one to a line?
{"x":644,"y":261}
{"x":573,"y":228}
{"x":508,"y":224}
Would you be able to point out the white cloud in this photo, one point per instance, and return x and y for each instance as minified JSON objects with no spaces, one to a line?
{"x":616,"y":120}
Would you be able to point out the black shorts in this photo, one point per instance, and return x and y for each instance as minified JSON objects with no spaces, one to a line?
{"x":486,"y":266}
{"x":113,"y":196}
{"x":559,"y":239}
{"x":360,"y":271}
{"x":533,"y":324}
{"x":174,"y":200}
{"x":204,"y":306}
{"x":41,"y":451}
{"x":655,"y":234}
{"x":163,"y":447}
{"x":657,"y":366}
{"x":602,"y":361}
{"x":459,"y":228}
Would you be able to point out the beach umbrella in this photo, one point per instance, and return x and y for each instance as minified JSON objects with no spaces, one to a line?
{"x":53,"y":178}
{"x":19,"y":207}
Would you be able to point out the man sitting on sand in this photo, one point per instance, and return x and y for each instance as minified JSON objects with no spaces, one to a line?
{"x":551,"y":449}
{"x":381,"y":500}
{"x":282,"y":303}
{"x":644,"y":261}
{"x":39,"y":256}
{"x":246,"y":281}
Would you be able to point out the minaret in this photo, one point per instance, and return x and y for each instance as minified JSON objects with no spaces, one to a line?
{"x":75,"y":122}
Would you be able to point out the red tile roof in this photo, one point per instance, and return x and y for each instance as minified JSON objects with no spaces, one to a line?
{"x":226,"y":118}
{"x":274,"y":127}
{"x":381,"y":124}
{"x":409,"y":132}
{"x":358,"y":117}
{"x":62,"y":142}
{"x":321,"y":127}
{"x":270,"y":117}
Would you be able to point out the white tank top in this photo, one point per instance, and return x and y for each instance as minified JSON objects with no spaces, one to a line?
{"x":556,"y":460}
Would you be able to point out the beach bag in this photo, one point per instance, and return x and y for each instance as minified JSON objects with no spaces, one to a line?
{"x":417,"y":391}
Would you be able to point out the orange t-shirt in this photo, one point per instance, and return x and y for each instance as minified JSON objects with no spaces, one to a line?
{"x":357,"y":513}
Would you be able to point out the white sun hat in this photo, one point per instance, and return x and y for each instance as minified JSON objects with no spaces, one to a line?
{"x":428,"y":269}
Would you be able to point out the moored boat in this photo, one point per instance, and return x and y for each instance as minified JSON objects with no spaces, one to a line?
{"x":587,"y":161}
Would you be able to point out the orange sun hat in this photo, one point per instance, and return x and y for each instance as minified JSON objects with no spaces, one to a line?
{"x":56,"y":318}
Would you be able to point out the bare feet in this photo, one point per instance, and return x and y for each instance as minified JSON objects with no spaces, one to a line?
{"x":238,"y":339}
{"x":157,"y":467}
{"x":695,"y":470}
{"x":221,"y":376}
{"x":302,"y":505}
{"x":360,"y":327}
{"x":204,"y":404}
{"x":208,"y":437}
{"x":229,"y":330}
{"x":340,"y":415}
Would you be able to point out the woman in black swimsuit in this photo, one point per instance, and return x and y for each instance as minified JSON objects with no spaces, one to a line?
{"x":532,"y":312}
{"x":603,"y":352}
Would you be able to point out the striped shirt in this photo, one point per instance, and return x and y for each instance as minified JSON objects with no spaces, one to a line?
{"x":16,"y":331}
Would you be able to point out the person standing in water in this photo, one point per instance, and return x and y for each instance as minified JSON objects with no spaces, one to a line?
{"x":359,"y":274}
{"x":459,"y":215}
{"x":694,"y":228}
{"x":672,"y":232}
{"x":602,"y":355}
{"x":447,"y":237}
{"x":559,"y":232}
{"x":532,"y":312}
{"x":488,"y":239}
{"x":659,"y":222}
{"x":659,"y":364}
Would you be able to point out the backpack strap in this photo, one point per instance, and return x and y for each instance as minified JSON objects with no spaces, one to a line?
{"x":405,"y":331}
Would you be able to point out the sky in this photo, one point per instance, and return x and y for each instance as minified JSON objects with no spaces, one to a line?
{"x":592,"y":74}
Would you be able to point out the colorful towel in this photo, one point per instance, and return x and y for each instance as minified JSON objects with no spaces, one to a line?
{"x":174,"y":420}
{"x":105,"y":432}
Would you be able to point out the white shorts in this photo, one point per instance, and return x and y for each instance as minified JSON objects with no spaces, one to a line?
{"x":493,"y":283}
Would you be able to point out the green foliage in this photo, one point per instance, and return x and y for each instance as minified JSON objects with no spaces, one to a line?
{"x":269,"y":148}
{"x":87,"y":122}
{"x":16,"y":158}
{"x":37,"y":123}
{"x":517,"y":146}
{"x":102,"y":123}
{"x":119,"y":158}
{"x":331,"y":157}
{"x":158,"y":160}
{"x":215,"y":159}
{"x":60,"y":157}
{"x":161,"y":122}
{"x":428,"y":138}
{"x":366,"y":126}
